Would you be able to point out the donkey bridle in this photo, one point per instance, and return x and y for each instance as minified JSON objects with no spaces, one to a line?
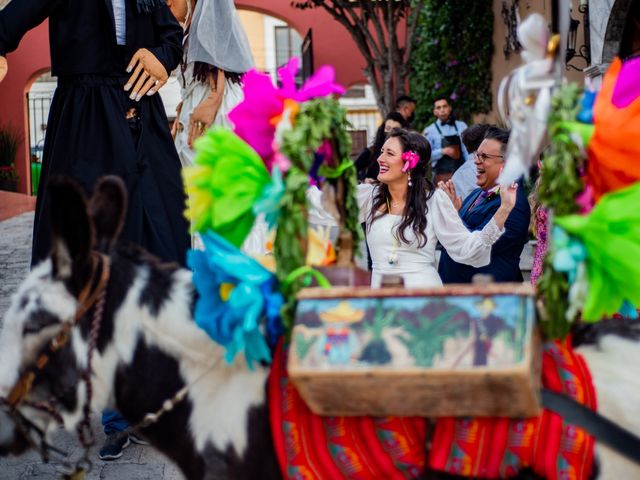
{"x":93,"y":292}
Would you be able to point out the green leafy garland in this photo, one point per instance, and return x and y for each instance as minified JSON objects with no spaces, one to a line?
{"x":452,"y":57}
{"x":559,"y":186}
{"x":318,"y":121}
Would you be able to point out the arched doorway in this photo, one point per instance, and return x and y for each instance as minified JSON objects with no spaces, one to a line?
{"x":39,"y":95}
{"x":607,"y":19}
{"x":615,"y":28}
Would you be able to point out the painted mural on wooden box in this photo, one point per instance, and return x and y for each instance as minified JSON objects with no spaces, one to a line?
{"x":428,"y":332}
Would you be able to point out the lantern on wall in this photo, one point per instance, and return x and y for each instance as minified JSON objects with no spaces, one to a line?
{"x":584,"y":51}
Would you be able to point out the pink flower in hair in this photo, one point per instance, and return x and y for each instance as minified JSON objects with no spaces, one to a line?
{"x":411,"y":159}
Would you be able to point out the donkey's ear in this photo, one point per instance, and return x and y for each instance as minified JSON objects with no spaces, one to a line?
{"x":107,"y":208}
{"x":71,"y":229}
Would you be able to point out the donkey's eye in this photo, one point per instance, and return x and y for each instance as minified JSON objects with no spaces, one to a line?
{"x":38,"y":321}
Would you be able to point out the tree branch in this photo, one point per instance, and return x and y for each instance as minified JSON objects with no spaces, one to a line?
{"x":387,"y":63}
{"x":362,"y":23}
{"x":388,"y":83}
{"x":356,"y":33}
{"x":373,"y":16}
{"x":411,"y":28}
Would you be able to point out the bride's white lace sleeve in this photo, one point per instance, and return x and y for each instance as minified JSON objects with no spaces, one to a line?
{"x":463,"y":246}
{"x":320,"y":215}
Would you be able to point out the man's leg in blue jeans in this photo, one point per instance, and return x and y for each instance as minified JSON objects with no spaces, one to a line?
{"x":112,"y":422}
{"x":116,"y":441}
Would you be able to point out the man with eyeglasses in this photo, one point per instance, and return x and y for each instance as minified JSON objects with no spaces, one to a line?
{"x":479,"y":207}
{"x":464,"y":179}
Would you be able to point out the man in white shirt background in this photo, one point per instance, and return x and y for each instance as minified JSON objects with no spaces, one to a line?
{"x":448,"y":152}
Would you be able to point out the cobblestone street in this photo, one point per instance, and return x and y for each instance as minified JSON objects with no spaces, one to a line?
{"x":137,"y":463}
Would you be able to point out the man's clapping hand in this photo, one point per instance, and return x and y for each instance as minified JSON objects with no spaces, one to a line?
{"x":449,"y":188}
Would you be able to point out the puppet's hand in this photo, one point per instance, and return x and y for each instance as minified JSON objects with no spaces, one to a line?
{"x":148,"y":74}
{"x":4,"y":67}
{"x":201,"y":119}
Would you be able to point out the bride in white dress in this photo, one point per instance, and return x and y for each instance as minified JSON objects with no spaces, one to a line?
{"x":406,"y":216}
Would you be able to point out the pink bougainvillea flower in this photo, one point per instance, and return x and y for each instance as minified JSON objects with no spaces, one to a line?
{"x":265,"y":107}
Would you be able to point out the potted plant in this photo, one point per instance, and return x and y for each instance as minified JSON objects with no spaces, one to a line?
{"x":9,"y":142}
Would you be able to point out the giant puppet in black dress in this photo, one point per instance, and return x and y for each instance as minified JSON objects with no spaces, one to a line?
{"x":94,"y":127}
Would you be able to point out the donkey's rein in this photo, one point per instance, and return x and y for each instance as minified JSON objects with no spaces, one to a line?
{"x":170,"y":403}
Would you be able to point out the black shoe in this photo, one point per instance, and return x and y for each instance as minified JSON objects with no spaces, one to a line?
{"x":114,"y":445}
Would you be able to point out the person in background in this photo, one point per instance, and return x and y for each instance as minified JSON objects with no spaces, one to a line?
{"x":406,"y":106}
{"x":480,"y":206}
{"x":367,"y":162}
{"x":217,"y":54}
{"x":447,"y":150}
{"x":464,"y":179}
{"x":539,"y":227}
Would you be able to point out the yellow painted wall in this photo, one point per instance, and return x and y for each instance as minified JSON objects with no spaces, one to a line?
{"x":253,"y":23}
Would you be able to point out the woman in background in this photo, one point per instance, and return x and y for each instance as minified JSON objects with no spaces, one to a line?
{"x":367,"y":163}
{"x":217,"y":55}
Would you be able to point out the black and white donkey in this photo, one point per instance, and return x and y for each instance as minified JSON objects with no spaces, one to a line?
{"x":148,"y":348}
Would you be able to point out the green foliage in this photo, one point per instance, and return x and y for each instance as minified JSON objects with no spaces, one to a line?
{"x":10,"y":138}
{"x":559,"y":186}
{"x":560,"y":183}
{"x":318,"y":121}
{"x":303,"y":346}
{"x":381,"y":320}
{"x":452,"y":57}
{"x":9,"y":173}
{"x":553,"y":290}
{"x":426,"y":338}
{"x":289,"y":245}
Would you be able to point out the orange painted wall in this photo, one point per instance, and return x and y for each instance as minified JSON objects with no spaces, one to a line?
{"x":331,"y":42}
{"x":28,"y":62}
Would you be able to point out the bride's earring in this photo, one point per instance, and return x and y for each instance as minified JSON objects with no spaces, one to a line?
{"x":409,"y":175}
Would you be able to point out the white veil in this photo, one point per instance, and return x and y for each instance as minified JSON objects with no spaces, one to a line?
{"x":216,"y":37}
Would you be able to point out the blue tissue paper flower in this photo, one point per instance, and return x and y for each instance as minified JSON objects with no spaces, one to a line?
{"x":568,"y":253}
{"x":235,"y":294}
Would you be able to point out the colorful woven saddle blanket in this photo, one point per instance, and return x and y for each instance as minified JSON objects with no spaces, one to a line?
{"x":311,"y":447}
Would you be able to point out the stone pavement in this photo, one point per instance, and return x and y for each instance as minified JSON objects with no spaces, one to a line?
{"x":137,"y":463}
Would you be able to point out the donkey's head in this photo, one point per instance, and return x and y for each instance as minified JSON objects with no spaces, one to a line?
{"x":50,"y":298}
